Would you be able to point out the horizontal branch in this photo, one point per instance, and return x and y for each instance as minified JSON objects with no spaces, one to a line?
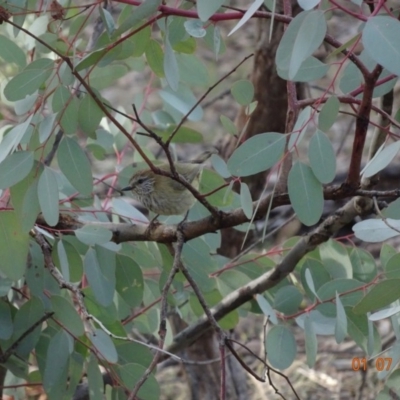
{"x":347,"y":99}
{"x":237,"y":15}
{"x":217,"y":17}
{"x":125,"y":232}
{"x":343,"y":216}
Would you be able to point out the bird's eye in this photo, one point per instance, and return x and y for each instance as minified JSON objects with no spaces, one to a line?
{"x":140,"y":181}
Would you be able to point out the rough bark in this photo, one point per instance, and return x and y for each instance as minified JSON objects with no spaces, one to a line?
{"x":269,"y":116}
{"x":204,"y":380}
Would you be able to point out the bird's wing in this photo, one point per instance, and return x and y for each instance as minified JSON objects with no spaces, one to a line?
{"x":187,"y":170}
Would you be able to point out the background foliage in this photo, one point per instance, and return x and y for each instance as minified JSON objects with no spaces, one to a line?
{"x":86,"y":288}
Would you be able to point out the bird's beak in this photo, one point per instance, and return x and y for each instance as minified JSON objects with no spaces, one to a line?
{"x":126,"y":189}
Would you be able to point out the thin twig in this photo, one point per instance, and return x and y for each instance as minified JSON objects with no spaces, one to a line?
{"x":213,"y":322}
{"x":11,"y":350}
{"x":348,"y":99}
{"x":241,"y":362}
{"x":56,"y":274}
{"x":327,"y":228}
{"x":46,"y":249}
{"x":223,"y":369}
{"x":252,"y":373}
{"x":213,"y":210}
{"x":185,"y":117}
{"x":49,"y":158}
{"x":163,"y":316}
{"x":216,"y":98}
{"x":384,"y":219}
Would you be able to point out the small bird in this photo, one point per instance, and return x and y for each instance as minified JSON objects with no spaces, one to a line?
{"x":164,"y":195}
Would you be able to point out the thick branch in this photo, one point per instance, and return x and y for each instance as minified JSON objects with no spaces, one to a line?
{"x":237,"y":15}
{"x":123,"y":232}
{"x":362,"y":123}
{"x":268,"y":280}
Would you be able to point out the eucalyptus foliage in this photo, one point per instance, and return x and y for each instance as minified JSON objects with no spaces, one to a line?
{"x":60,"y":122}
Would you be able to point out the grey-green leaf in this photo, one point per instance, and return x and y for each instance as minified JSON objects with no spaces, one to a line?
{"x":300,"y":128}
{"x":351,"y":78}
{"x":29,"y":80}
{"x":146,"y":8}
{"x":171,"y":69}
{"x":29,"y":313}
{"x":267,"y":309}
{"x":98,"y":281}
{"x":75,"y":165}
{"x":66,"y":313}
{"x":95,"y":379}
{"x":381,"y":295}
{"x":257,"y":154}
{"x":194,"y":27}
{"x":104,"y":345}
{"x":243,"y":92}
{"x":46,"y":127}
{"x":287,"y":300}
{"x":310,"y":281}
{"x":303,"y":36}
{"x":132,"y":372}
{"x":155,"y":58}
{"x":30,"y":207}
{"x":245,"y":200}
{"x":228,"y":125}
{"x":6,"y":323}
{"x":191,"y":70}
{"x":341,"y":321}
{"x":15,"y":168}
{"x":206,"y":8}
{"x":220,"y":166}
{"x":11,"y":53}
{"x":89,"y":115}
{"x":48,"y":196}
{"x":281,"y":346}
{"x":129,"y":280}
{"x":68,"y":116}
{"x":305,"y":193}
{"x":56,"y":360}
{"x":376,"y":230}
{"x":393,"y":210}
{"x":328,"y":114}
{"x":182,"y":100}
{"x":108,"y":20}
{"x":381,"y":159}
{"x":60,"y":98}
{"x":322,"y":157}
{"x":64,"y":265}
{"x":14,"y":137}
{"x":380,"y":39}
{"x":322,"y":325}
{"x":247,"y":15}
{"x":311,"y":69}
{"x":216,"y":41}
{"x":385,"y":313}
{"x":91,"y":59}
{"x":26,"y":104}
{"x":308,"y":4}
{"x":92,"y":235}
{"x":336,"y":259}
{"x":196,"y":256}
{"x":311,"y":341}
